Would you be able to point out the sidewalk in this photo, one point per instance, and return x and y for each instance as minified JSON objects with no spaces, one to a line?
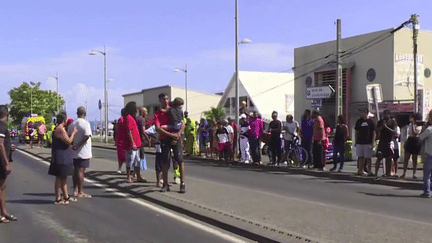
{"x":283,"y":219}
{"x":350,"y":168}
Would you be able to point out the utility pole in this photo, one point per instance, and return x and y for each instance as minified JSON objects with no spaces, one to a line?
{"x":339,"y":85}
{"x":415,"y":27}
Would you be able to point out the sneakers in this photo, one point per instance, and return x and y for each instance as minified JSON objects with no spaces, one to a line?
{"x":340,"y":170}
{"x":182,"y":188}
{"x":176,"y":180}
{"x":333,"y":169}
{"x":425,"y":195}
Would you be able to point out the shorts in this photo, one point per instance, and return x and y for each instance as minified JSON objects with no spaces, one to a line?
{"x":3,"y":174}
{"x":158,"y":162}
{"x":396,"y":154}
{"x":412,"y":145}
{"x":132,"y":158}
{"x":364,"y":151}
{"x":384,"y":150}
{"x":224,"y":146}
{"x":177,"y":149}
{"x":81,"y":163}
{"x":41,"y":137}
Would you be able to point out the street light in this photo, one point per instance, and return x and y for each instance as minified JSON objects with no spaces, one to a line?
{"x":57,"y":101}
{"x":32,"y":85}
{"x":94,"y":52}
{"x":185,"y":71}
{"x":237,"y":43}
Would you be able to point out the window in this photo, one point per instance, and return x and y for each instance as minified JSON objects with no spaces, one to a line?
{"x":227,"y":103}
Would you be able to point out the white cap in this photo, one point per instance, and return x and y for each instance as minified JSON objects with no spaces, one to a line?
{"x":242,"y":116}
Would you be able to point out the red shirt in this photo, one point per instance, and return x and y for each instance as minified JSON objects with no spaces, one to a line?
{"x":162,"y":118}
{"x":318,"y":129}
{"x":130,"y":125}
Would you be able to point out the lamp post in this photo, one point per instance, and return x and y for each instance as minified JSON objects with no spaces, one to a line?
{"x":94,"y":52}
{"x":57,"y":88}
{"x":32,"y":85}
{"x":186,"y":89}
{"x":237,"y":43}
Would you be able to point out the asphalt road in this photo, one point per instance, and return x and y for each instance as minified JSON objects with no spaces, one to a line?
{"x":317,"y":208}
{"x":107,"y":217}
{"x":372,"y":198}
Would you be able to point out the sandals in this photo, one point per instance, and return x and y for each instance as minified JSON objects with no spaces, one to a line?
{"x":70,"y":199}
{"x":4,"y":220}
{"x":84,"y":195}
{"x":61,"y":202}
{"x":11,"y":218}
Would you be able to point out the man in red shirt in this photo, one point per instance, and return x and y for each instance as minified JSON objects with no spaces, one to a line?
{"x":318,"y":138}
{"x":162,"y":117}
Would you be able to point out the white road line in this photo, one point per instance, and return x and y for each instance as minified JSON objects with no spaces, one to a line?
{"x":160,"y":210}
{"x":46,"y":219}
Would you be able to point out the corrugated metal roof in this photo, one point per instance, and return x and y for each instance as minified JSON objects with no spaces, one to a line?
{"x":269,"y":91}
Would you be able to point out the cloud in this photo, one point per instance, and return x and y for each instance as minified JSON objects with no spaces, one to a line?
{"x":81,"y":75}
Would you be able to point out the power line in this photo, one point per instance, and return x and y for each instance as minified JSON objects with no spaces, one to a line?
{"x":348,"y":53}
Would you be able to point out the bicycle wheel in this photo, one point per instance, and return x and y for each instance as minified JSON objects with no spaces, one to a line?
{"x":299,"y":156}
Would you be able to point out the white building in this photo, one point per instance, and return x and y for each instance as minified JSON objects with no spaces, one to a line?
{"x":264,"y":92}
{"x":197,"y":101}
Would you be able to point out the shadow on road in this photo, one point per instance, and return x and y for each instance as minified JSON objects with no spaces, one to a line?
{"x":30,"y":201}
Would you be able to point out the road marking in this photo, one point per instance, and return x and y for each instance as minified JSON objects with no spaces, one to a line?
{"x":160,"y":210}
{"x":68,"y":235}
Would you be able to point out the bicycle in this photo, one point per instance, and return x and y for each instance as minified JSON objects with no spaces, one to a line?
{"x":296,"y":156}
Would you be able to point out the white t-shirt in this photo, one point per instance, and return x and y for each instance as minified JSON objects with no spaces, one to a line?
{"x":230,"y":129}
{"x":292,"y":128}
{"x":83,"y":129}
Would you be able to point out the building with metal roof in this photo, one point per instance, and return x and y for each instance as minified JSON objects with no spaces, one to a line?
{"x":263,"y":92}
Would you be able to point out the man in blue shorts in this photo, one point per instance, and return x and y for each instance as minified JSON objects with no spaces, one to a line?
{"x":82,"y":151}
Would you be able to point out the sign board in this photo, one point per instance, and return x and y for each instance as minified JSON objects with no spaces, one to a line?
{"x":100,"y":104}
{"x":319,"y":92}
{"x":395,"y":107}
{"x":374,"y":91}
{"x":316,"y":102}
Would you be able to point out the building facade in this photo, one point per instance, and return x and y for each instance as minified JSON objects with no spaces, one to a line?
{"x":384,"y":58}
{"x":197,"y":102}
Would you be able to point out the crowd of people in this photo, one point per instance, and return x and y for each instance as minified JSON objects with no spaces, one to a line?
{"x":173,"y":133}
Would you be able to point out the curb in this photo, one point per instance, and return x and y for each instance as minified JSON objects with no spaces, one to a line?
{"x":413,"y":185}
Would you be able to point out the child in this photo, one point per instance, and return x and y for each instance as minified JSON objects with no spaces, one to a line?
{"x":176,"y":116}
{"x":224,"y":142}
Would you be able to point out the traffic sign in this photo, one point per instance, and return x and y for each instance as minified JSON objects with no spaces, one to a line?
{"x":316,"y":102}
{"x":319,"y":92}
{"x":100,"y":104}
{"x":374,"y":91}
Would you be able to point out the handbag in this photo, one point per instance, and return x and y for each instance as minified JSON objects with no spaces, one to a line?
{"x":347,"y":147}
{"x":143,"y":164}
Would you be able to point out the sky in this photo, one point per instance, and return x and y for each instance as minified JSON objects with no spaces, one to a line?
{"x":146,"y":40}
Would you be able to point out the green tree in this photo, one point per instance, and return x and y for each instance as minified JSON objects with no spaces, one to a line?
{"x":44,"y":102}
{"x":217,"y":113}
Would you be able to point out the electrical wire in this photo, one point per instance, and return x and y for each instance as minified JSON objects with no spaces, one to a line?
{"x":348,"y":53}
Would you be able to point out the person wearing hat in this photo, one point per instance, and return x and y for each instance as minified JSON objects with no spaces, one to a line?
{"x":244,"y":139}
{"x":364,"y":141}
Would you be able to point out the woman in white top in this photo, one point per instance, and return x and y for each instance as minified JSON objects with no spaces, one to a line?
{"x":412,"y":145}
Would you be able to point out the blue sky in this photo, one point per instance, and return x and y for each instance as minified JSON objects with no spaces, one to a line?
{"x":146,"y":40}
